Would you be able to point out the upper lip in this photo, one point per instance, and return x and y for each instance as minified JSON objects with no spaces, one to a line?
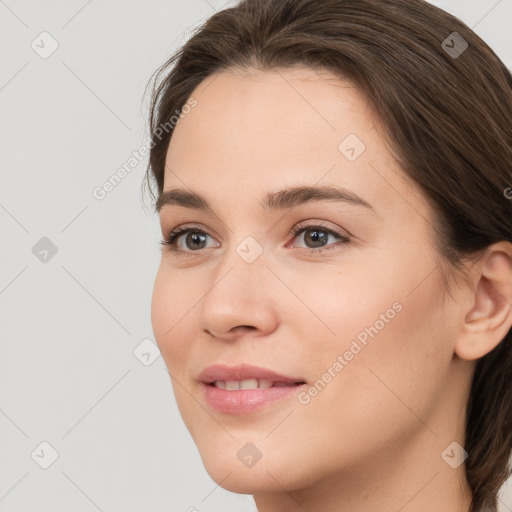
{"x":242,"y":372}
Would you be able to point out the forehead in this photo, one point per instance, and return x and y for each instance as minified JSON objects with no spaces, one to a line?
{"x":299,"y":105}
{"x":252,"y":131}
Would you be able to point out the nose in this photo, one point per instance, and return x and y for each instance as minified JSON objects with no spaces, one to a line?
{"x":238,"y":300}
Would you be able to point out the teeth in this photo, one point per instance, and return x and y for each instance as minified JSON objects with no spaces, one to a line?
{"x":248,"y":384}
{"x":265,"y":383}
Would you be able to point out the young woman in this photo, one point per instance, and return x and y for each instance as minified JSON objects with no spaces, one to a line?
{"x":333,"y":303}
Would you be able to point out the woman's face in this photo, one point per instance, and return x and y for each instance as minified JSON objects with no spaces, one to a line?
{"x":361,"y":323}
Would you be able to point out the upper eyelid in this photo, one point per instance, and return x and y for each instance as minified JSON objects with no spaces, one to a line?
{"x":303,"y":224}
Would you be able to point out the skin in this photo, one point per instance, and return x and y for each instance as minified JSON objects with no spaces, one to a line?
{"x":372,"y":438}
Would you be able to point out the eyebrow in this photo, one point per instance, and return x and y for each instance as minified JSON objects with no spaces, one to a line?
{"x":282,"y":199}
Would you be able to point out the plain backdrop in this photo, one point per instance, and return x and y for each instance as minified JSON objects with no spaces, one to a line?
{"x":87,"y":414}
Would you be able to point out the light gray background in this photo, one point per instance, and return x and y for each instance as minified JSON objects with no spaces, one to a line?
{"x":70,"y":325}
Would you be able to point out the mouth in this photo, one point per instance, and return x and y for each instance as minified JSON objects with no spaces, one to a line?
{"x":246,"y":389}
{"x":233,"y":385}
{"x":249,"y":400}
{"x":245,"y":376}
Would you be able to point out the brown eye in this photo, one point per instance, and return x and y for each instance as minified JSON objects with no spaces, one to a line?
{"x":194,"y":240}
{"x":317,"y":237}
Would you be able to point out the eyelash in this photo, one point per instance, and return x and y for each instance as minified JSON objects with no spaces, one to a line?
{"x":169,"y":243}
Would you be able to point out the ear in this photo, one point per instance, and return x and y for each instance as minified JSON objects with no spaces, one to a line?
{"x":489,"y":316}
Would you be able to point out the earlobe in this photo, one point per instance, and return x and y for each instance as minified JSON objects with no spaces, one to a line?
{"x":489,"y":319}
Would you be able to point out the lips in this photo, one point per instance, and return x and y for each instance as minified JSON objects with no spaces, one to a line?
{"x":220,"y":374}
{"x":246,"y":389}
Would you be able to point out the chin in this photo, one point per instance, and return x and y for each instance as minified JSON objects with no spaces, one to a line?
{"x":243,"y":480}
{"x":270,"y":473}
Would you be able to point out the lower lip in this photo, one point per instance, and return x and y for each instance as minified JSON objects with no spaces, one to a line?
{"x":245,"y":401}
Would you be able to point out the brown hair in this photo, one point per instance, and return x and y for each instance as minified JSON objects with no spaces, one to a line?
{"x":447,"y":116}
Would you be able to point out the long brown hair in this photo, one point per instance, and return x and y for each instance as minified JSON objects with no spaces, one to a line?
{"x":445,"y":99}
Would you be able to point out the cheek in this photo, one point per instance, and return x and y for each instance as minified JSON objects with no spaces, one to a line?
{"x":169,"y":306}
{"x":391,"y":351}
{"x":330,"y":309}
{"x":171,"y":322}
{"x":374,"y":321}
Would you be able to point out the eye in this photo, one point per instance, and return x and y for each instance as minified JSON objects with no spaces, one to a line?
{"x":194,"y":239}
{"x":316,"y":236}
